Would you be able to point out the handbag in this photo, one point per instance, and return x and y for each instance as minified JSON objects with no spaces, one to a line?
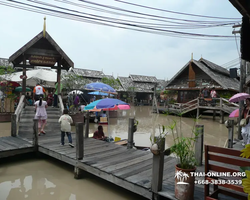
{"x":243,"y":122}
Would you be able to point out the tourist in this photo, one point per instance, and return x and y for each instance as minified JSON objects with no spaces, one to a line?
{"x":41,"y":115}
{"x":213,"y":95}
{"x":99,"y":134}
{"x":38,"y":92}
{"x":245,"y":131}
{"x":56,"y":94}
{"x":50,"y":99}
{"x":76,"y":102}
{"x":66,"y":121}
{"x":205,"y":93}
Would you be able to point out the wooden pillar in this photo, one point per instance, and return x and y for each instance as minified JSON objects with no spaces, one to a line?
{"x":87,"y":125}
{"x":24,"y":75}
{"x":13,"y":125}
{"x":59,"y":77}
{"x":199,"y":144}
{"x":214,"y":114}
{"x":35,"y":135}
{"x":157,"y":170}
{"x":79,"y":149}
{"x":222,"y":117}
{"x":131,"y":133}
{"x":230,"y":133}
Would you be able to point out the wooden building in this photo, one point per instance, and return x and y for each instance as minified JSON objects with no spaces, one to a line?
{"x":196,"y":75}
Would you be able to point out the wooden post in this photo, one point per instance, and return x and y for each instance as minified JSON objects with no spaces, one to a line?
{"x":199,"y":144}
{"x":59,"y":77}
{"x":131,"y":133}
{"x":87,"y":125}
{"x":13,"y":125}
{"x":214,"y":114}
{"x":198,"y":109}
{"x":230,"y":133}
{"x":222,"y":117}
{"x":35,"y":135}
{"x":24,"y":74}
{"x":79,"y":149}
{"x":157,"y":169}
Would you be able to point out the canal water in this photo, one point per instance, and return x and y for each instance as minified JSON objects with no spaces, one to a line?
{"x":45,"y":178}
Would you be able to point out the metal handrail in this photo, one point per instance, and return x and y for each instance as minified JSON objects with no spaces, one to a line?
{"x":19,"y":108}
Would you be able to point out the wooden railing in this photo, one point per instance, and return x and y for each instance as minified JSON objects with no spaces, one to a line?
{"x":16,"y":116}
{"x":189,"y":105}
{"x":61,"y":104}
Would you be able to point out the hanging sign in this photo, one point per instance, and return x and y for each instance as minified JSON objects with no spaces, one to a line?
{"x":42,"y":60}
{"x":23,"y":77}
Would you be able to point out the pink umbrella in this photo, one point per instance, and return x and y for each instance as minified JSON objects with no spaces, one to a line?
{"x":239,"y":97}
{"x":235,"y":113}
{"x":120,"y":107}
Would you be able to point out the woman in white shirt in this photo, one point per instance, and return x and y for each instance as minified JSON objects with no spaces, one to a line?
{"x":41,"y":115}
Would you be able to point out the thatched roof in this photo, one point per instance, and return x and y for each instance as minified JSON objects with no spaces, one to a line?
{"x":89,"y":73}
{"x":5,"y":62}
{"x":140,"y":78}
{"x":218,"y":77}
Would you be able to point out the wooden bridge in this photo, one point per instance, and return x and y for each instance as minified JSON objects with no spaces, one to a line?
{"x":198,"y":106}
{"x":127,"y":168}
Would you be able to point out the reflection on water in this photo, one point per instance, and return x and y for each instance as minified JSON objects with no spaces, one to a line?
{"x":43,"y":179}
{"x":150,"y":123}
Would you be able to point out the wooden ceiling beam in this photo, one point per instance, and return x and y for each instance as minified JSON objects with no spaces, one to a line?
{"x":42,"y":52}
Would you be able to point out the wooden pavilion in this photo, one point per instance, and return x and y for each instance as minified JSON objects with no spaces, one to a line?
{"x":42,"y":50}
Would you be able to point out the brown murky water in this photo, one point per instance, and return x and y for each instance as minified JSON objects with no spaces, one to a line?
{"x":48,"y":179}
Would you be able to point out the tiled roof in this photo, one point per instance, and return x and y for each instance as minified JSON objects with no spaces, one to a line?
{"x":89,"y":73}
{"x":140,"y":78}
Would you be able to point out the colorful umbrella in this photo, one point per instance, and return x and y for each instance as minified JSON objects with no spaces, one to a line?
{"x":20,"y":89}
{"x":120,"y":107}
{"x":239,"y":97}
{"x":100,"y":93}
{"x":235,"y":113}
{"x":9,"y":83}
{"x":104,"y":103}
{"x":98,"y":86}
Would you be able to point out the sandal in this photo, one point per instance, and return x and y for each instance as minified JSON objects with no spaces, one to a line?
{"x":39,"y":134}
{"x":43,"y":132}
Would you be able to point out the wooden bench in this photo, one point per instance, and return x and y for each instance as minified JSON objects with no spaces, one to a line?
{"x":218,"y":159}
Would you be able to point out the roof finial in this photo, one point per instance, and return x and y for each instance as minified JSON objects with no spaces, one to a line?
{"x":44,"y":27}
{"x":192,"y":57}
{"x":201,"y":56}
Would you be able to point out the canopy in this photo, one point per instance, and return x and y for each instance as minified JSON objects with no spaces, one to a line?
{"x":48,"y":77}
{"x":100,"y":93}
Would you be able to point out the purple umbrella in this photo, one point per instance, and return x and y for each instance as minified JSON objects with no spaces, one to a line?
{"x":239,"y":97}
{"x":98,"y":86}
{"x":104,"y":103}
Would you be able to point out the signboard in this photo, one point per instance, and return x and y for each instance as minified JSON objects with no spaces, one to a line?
{"x":23,"y":77}
{"x":42,"y":60}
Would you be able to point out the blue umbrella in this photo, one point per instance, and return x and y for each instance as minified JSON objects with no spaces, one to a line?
{"x":98,"y":86}
{"x":104,"y":103}
{"x":100,"y":93}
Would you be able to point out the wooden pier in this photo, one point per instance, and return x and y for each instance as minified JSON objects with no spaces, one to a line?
{"x":127,"y":168}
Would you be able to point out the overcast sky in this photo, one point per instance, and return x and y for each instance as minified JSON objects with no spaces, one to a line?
{"x":120,"y":51}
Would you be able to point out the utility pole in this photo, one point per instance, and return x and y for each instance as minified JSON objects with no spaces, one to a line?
{"x":242,"y":80}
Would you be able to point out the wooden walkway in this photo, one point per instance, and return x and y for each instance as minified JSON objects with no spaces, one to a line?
{"x":127,"y":168}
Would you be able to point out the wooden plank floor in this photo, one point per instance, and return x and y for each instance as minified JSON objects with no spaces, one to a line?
{"x":10,"y":146}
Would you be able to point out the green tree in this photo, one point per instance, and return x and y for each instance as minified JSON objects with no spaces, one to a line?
{"x":114,"y":83}
{"x":72,"y":81}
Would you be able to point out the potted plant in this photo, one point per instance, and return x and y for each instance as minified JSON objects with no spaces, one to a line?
{"x":183,"y":150}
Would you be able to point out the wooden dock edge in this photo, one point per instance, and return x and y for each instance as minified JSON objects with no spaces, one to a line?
{"x":108,"y":177}
{"x":8,"y":153}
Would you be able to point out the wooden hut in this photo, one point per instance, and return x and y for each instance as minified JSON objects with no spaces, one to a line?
{"x":196,"y":75}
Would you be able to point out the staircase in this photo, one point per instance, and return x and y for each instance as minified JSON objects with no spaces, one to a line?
{"x":25,"y":129}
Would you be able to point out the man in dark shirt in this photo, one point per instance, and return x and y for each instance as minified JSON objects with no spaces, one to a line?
{"x":205,"y":92}
{"x":99,"y":135}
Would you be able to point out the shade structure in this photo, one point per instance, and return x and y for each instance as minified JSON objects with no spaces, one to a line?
{"x":239,"y":97}
{"x":104,"y":103}
{"x":9,"y":83}
{"x":100,"y":93}
{"x":99,"y":86}
{"x":20,"y":89}
{"x":118,"y":107}
{"x":235,"y":113}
